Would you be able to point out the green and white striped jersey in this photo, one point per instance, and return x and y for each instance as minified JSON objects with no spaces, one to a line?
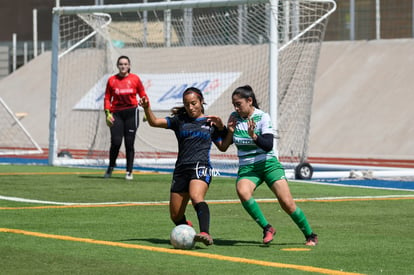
{"x":247,"y":150}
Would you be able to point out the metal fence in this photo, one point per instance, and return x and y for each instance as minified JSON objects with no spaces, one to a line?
{"x":371,"y":19}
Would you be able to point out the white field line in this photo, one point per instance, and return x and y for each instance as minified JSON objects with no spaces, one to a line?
{"x":354,"y":186}
{"x":15,"y":199}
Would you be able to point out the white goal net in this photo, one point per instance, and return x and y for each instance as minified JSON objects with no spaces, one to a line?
{"x":14,"y":138}
{"x":214,"y":45}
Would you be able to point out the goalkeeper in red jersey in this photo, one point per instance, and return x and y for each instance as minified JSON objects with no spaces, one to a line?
{"x":122,"y":115}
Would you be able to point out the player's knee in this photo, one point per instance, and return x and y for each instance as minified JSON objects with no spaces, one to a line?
{"x":116,"y":141}
{"x":244,"y":194}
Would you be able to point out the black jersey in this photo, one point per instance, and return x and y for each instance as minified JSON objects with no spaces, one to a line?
{"x":194,"y":138}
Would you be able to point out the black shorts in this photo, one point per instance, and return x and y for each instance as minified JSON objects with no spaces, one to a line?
{"x":185,"y":173}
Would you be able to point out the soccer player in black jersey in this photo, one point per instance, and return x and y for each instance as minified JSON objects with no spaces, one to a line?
{"x":193,"y":172}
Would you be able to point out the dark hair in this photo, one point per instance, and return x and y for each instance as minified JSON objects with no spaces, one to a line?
{"x":194,"y":90}
{"x":181,"y":110}
{"x":245,"y":92}
{"x":124,"y":57}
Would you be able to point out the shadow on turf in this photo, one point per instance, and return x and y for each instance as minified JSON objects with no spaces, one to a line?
{"x":118,"y":178}
{"x":99,"y":176}
{"x":219,"y":242}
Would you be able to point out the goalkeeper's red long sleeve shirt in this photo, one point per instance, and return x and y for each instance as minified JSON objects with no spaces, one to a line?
{"x":121,"y":92}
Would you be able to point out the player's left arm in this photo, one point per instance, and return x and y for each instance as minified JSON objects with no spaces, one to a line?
{"x":262,"y":137}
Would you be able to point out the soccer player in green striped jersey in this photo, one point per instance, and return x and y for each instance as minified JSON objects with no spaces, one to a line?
{"x":250,"y":129}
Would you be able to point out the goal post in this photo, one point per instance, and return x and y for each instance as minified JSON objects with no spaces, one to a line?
{"x":215,"y":45}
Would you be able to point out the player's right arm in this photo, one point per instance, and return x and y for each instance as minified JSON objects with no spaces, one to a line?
{"x":151,"y":118}
{"x":108,"y":96}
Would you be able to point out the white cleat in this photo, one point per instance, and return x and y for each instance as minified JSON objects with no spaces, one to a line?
{"x":129,"y":176}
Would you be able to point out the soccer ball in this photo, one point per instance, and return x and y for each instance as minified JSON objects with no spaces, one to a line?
{"x":182,"y":237}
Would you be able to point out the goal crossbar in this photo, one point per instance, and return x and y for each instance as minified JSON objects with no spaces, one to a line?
{"x":132,"y":7}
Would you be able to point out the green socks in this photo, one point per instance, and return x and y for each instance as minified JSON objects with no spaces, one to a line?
{"x":300,"y":219}
{"x":252,"y":207}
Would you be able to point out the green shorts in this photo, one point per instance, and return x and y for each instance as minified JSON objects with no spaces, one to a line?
{"x":268,"y":171}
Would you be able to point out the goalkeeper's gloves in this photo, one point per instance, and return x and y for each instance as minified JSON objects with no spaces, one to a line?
{"x":109,"y":118}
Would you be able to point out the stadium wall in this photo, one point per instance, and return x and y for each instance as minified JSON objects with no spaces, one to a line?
{"x":361,"y":109}
{"x":363,"y":100}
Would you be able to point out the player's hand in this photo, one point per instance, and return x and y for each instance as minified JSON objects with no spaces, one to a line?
{"x":215,"y":120}
{"x":231,"y":124}
{"x":251,"y":125}
{"x":144,"y":102}
{"x":109,"y":118}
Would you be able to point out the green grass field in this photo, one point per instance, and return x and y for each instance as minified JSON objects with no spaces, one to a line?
{"x":361,"y":231}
